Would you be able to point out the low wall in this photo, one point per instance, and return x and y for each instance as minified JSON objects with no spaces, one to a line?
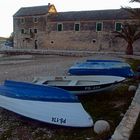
{"x":54,"y":52}
{"x":125,"y":128}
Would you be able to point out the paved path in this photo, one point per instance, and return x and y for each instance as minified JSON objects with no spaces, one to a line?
{"x":67,"y":52}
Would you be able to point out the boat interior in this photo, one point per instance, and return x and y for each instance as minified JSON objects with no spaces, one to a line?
{"x":70,"y":82}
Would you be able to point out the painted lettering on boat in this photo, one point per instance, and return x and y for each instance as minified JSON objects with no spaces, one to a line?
{"x":59,"y":120}
{"x":92,"y":88}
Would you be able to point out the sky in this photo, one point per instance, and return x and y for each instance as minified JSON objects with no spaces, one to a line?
{"x":9,"y":7}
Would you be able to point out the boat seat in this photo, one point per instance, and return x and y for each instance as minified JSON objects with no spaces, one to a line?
{"x":58,"y":78}
{"x":72,"y":83}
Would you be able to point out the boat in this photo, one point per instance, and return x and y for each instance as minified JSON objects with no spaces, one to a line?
{"x":46,"y":104}
{"x":80,"y":85}
{"x":102,"y":67}
{"x":104,"y":60}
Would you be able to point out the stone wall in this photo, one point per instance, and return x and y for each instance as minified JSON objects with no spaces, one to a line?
{"x":87,"y":39}
{"x":83,"y":40}
{"x":69,"y":40}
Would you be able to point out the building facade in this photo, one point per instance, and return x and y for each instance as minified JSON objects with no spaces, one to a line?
{"x":42,"y":27}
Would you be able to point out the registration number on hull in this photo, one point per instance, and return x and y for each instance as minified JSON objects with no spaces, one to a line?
{"x":59,"y":120}
{"x":92,"y":88}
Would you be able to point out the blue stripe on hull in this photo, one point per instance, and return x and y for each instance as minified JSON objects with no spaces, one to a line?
{"x":29,"y":91}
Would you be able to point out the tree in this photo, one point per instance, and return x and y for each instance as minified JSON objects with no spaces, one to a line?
{"x":135,"y":12}
{"x":135,"y":1}
{"x":130,"y":34}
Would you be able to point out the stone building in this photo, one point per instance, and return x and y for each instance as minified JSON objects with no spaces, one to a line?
{"x":42,"y":27}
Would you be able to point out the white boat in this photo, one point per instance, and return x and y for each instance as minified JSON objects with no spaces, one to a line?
{"x":81,"y":84}
{"x":42,"y":103}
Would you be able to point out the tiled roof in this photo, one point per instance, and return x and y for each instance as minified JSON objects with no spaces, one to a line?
{"x":32,"y":11}
{"x":114,"y":14}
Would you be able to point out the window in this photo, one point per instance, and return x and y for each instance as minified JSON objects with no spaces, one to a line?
{"x":99,"y":26}
{"x":35,"y":31}
{"x":118,"y":26}
{"x":22,"y":20}
{"x":35,"y":19}
{"x":30,"y":30}
{"x":77,"y":27}
{"x":59,"y":27}
{"x":22,"y":31}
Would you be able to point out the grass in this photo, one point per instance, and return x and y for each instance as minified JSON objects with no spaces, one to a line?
{"x":134,"y":63}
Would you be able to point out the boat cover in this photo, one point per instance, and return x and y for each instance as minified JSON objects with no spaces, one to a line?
{"x":101,"y":67}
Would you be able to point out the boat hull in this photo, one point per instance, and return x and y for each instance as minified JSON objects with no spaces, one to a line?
{"x":83,"y":90}
{"x":64,"y":114}
{"x":47,"y":104}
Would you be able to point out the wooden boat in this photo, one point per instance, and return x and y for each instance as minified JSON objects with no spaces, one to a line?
{"x":81,"y":84}
{"x":43,"y":103}
{"x":102,"y":67}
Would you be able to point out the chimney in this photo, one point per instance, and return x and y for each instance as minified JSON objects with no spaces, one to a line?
{"x":49,"y":4}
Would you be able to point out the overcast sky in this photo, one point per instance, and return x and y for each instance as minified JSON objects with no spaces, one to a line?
{"x":9,"y":7}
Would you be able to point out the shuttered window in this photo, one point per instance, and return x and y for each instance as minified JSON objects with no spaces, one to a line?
{"x":59,"y":27}
{"x":118,"y":26}
{"x":77,"y":27}
{"x":35,"y":19}
{"x":99,"y":26}
{"x":35,"y":31}
{"x":22,"y":31}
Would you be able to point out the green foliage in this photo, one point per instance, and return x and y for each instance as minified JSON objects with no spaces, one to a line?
{"x":135,"y":1}
{"x":134,"y":63}
{"x":130,"y":34}
{"x":134,"y":12}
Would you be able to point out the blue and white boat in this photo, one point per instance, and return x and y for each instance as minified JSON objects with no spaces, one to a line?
{"x":83,"y":84}
{"x":102,"y":67}
{"x":43,"y":103}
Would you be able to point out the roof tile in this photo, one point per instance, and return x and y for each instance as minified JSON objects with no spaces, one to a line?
{"x":32,"y":11}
